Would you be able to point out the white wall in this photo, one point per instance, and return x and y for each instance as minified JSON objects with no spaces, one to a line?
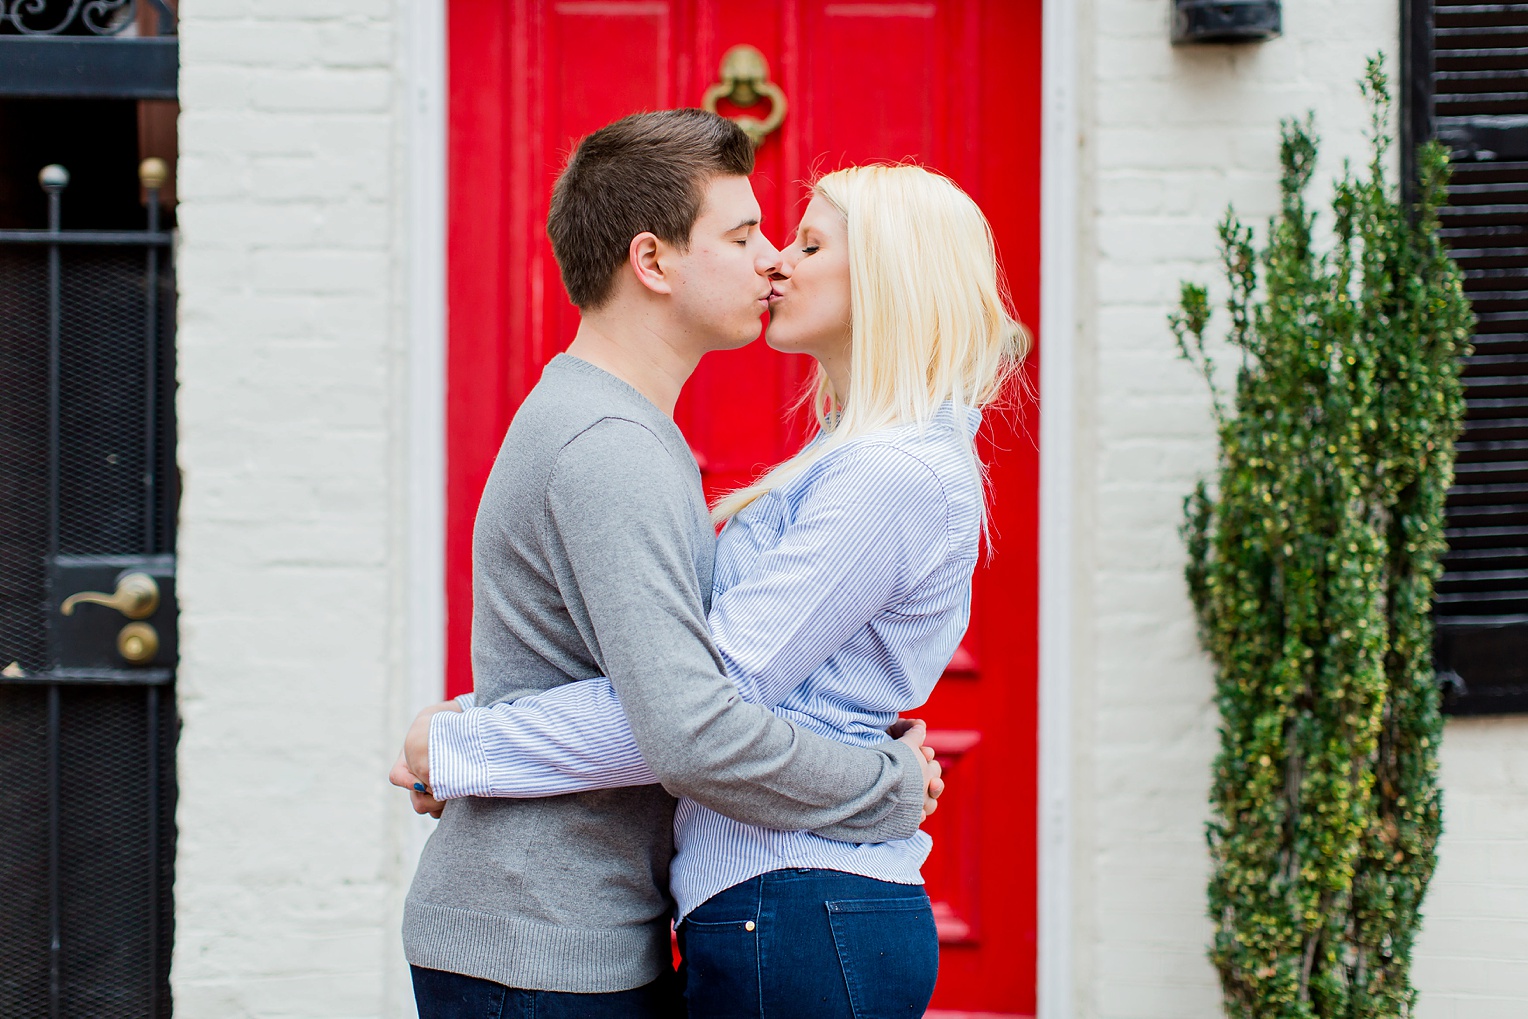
{"x":292,"y":851}
{"x":1472,"y":960}
{"x":1170,"y":136}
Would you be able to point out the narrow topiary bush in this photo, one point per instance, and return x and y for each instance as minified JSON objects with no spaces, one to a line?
{"x":1312,"y":559}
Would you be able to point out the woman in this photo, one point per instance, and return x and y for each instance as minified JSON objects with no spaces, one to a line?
{"x":842,"y":588}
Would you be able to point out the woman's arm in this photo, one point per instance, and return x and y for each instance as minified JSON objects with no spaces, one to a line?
{"x":873,"y":524}
{"x":569,"y":739}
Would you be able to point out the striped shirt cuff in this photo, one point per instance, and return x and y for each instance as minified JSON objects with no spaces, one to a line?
{"x":458,"y":765}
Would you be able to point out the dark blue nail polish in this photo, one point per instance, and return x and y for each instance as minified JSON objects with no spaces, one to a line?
{"x":419,"y":787}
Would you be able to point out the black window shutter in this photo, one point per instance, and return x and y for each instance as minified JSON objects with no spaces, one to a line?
{"x":1466,"y":82}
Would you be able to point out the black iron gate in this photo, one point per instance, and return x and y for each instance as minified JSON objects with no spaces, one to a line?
{"x":87,"y":616}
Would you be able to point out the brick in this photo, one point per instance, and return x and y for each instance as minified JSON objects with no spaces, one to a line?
{"x":229,"y":131}
{"x":212,"y":175}
{"x":342,"y":175}
{"x":254,"y":43}
{"x":296,"y":11}
{"x":207,"y":87}
{"x":317,"y":272}
{"x":356,"y":43}
{"x":348,"y":90}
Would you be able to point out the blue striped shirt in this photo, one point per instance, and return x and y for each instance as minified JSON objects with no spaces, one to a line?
{"x":838,"y":600}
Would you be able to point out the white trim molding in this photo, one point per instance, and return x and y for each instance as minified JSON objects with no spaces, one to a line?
{"x":423,"y":54}
{"x":1059,"y":181}
{"x":424,"y":191}
{"x":425,"y":230}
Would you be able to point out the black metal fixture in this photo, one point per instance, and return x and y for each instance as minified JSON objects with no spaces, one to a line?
{"x":99,"y":17}
{"x":88,"y":725}
{"x":1226,"y":20}
{"x":101,"y":49}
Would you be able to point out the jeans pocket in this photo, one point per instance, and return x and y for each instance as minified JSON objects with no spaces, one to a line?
{"x":889,"y":951}
{"x":720,"y":968}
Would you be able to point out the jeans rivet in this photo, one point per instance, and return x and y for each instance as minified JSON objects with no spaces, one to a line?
{"x":748,"y":926}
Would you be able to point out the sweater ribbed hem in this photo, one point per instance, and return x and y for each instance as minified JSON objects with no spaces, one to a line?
{"x":534,"y":956}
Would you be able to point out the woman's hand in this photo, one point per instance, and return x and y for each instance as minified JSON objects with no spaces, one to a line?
{"x":412,"y":769}
{"x":419,"y":793}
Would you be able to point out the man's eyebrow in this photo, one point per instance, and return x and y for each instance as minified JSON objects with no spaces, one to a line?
{"x":747,"y":222}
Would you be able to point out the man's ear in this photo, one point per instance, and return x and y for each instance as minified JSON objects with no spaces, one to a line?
{"x":646,"y":256}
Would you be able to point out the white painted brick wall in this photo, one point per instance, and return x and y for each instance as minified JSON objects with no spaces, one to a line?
{"x":1170,"y":137}
{"x":290,"y":863}
{"x":1473,"y":956}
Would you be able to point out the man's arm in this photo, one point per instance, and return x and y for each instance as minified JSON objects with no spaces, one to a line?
{"x":621,"y":510}
{"x":872,"y":528}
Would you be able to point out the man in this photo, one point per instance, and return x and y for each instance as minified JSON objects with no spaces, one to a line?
{"x":592,"y":555}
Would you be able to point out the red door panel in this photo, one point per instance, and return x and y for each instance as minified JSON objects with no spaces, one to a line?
{"x":954,"y":84}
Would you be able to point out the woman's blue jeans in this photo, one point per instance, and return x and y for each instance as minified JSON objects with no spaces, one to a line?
{"x":818,"y":944}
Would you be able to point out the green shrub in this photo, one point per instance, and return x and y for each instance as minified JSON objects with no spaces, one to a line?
{"x":1312,"y":559}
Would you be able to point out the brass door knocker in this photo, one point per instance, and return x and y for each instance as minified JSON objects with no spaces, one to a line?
{"x":745,"y":80}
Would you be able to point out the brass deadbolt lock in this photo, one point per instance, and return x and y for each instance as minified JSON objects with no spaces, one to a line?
{"x":138,"y":643}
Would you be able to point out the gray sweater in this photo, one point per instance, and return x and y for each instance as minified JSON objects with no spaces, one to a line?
{"x":592,"y":555}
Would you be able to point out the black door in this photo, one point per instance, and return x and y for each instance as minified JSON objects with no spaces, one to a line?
{"x":87,"y":618}
{"x":88,"y":491}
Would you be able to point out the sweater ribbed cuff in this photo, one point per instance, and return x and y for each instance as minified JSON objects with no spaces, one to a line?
{"x":907,"y":815}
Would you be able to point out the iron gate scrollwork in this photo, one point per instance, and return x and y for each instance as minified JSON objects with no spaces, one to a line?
{"x":88,"y":724}
{"x":97,"y":17}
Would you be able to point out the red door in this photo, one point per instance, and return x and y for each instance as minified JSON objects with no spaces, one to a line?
{"x":954,"y":84}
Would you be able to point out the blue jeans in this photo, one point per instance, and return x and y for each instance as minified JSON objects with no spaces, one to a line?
{"x":818,"y":944}
{"x":442,"y":995}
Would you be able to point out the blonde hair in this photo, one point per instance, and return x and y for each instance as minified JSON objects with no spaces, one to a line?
{"x":929,"y":314}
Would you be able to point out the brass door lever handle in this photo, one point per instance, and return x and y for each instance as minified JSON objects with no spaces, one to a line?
{"x":136,"y":597}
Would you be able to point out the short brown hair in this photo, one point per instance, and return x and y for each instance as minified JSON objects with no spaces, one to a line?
{"x":644,"y":173}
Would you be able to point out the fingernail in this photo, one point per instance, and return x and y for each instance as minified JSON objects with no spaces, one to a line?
{"x":419,"y":787}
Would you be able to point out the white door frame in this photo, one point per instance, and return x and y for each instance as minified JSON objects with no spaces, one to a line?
{"x":1059,"y":179}
{"x":425,"y":82}
{"x":424,"y":25}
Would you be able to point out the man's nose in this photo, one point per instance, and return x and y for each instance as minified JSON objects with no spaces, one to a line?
{"x":767,"y":261}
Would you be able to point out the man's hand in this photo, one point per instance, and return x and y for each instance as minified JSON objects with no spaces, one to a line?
{"x":913,"y":731}
{"x":412,"y":769}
